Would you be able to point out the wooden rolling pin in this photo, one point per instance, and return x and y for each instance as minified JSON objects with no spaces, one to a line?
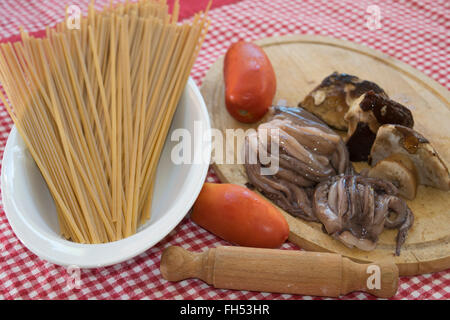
{"x":281,"y":271}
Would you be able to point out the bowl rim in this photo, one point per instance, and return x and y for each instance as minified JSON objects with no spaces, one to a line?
{"x":137,"y":243}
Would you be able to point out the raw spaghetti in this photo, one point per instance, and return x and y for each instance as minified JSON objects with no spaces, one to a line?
{"x":94,"y":106}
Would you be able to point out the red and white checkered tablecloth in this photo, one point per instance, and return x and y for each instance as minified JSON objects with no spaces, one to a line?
{"x":416,"y":32}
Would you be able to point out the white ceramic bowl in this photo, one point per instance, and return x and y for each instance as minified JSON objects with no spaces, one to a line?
{"x":31,"y":211}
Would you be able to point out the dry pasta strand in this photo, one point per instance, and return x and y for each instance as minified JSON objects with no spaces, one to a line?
{"x":94,"y":107}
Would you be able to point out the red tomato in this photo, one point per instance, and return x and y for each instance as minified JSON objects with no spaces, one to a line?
{"x":240,"y":216}
{"x":250,"y":82}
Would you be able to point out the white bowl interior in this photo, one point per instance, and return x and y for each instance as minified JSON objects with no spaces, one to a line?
{"x":30,"y":209}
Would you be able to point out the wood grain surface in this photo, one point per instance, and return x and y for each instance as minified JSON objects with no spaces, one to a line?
{"x":300,"y":63}
{"x":282,"y":271}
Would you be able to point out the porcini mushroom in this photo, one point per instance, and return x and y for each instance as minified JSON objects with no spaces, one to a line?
{"x":365,"y":116}
{"x":397,"y":139}
{"x":400,"y":171}
{"x":332,"y":98}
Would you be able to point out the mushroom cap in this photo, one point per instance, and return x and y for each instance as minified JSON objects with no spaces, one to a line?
{"x":332,"y":98}
{"x":365,"y":116}
{"x":400,"y":171}
{"x":397,"y":139}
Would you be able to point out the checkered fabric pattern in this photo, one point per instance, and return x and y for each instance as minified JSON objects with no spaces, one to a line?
{"x":416,"y":32}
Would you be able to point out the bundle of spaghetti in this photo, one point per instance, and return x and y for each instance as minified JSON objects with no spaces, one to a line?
{"x":94,"y":106}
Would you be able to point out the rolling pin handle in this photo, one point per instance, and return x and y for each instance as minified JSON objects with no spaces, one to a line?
{"x":179,"y":264}
{"x":379,"y":278}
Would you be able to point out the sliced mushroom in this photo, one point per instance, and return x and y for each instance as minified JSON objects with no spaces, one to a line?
{"x":331,"y":99}
{"x":400,"y":171}
{"x":360,"y":142}
{"x":397,"y":139}
{"x":365,"y":116}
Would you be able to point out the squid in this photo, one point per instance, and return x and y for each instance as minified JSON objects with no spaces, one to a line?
{"x":309,"y":153}
{"x":316,"y":181}
{"x":356,"y":209}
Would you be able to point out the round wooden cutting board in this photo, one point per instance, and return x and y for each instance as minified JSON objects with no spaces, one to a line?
{"x":300,"y":63}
